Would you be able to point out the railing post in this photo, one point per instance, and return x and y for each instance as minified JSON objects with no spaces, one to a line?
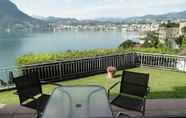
{"x":184,"y":68}
{"x":60,"y":70}
{"x":141,"y":59}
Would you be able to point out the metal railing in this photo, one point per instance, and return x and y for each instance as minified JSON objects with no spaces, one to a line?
{"x":163,"y":61}
{"x":62,"y":70}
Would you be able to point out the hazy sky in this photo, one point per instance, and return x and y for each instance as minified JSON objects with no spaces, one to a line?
{"x":98,"y":8}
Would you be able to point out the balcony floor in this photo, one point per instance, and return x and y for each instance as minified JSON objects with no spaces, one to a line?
{"x":156,"y":107}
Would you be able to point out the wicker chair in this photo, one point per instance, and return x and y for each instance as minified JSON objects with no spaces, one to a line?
{"x":133,"y":91}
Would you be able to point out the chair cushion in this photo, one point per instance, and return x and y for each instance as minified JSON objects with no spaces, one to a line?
{"x":39,"y":103}
{"x":128,"y":102}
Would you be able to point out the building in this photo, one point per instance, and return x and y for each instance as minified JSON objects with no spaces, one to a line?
{"x":182,"y":25}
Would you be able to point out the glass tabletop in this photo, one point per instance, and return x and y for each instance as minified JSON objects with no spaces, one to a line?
{"x":78,"y":102}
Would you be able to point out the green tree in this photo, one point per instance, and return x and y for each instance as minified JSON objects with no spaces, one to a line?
{"x":151,"y":40}
{"x":184,"y":31}
{"x":127,"y":44}
{"x":169,"y":24}
{"x":184,"y":43}
{"x":179,"y":40}
{"x":168,"y":43}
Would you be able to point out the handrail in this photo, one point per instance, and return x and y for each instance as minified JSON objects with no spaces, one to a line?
{"x":61,"y":70}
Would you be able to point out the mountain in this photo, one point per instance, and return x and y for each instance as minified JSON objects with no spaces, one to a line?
{"x":173,"y":16}
{"x":73,"y":21}
{"x":104,"y":21}
{"x":12,"y":17}
{"x":158,"y":18}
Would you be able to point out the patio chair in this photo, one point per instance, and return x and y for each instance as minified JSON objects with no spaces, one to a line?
{"x":30,"y":92}
{"x":133,"y":91}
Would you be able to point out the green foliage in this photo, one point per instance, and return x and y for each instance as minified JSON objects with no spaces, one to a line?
{"x":169,"y":43}
{"x":184,"y":30}
{"x":169,"y":24}
{"x":151,"y":40}
{"x":50,"y":57}
{"x":179,"y":40}
{"x":157,"y":50}
{"x":184,"y":43}
{"x":127,"y":44}
{"x":43,"y":58}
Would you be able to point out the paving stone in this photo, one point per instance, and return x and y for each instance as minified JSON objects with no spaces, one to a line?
{"x":154,"y":107}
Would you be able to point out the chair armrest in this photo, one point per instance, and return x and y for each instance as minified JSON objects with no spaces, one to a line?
{"x":122,"y":114}
{"x":35,"y":99}
{"x":112,"y":88}
{"x":17,"y":93}
{"x":52,"y":83}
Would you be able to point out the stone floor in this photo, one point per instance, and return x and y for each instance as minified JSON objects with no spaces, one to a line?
{"x":158,"y":107}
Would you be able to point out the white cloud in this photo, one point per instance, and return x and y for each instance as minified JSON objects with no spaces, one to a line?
{"x":99,"y":8}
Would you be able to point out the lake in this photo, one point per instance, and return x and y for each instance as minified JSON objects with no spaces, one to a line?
{"x":17,"y":44}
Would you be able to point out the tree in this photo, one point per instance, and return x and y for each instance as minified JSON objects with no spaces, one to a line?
{"x":179,"y":40}
{"x":169,"y":24}
{"x":184,"y":31}
{"x":127,"y":44}
{"x":151,"y":40}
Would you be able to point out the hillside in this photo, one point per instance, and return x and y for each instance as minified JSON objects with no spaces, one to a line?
{"x":11,"y":17}
{"x":158,"y":18}
{"x":173,"y":16}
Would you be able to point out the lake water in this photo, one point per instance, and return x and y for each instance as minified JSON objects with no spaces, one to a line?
{"x":17,"y":44}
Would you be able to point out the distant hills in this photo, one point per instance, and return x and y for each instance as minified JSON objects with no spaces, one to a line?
{"x":11,"y":17}
{"x":173,"y":16}
{"x":137,"y":19}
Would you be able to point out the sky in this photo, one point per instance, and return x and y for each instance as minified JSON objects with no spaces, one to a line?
{"x":91,"y":9}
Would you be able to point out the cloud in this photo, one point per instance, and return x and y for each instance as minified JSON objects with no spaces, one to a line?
{"x":99,"y":8}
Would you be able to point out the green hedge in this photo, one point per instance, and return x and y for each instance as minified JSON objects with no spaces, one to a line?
{"x":49,"y":57}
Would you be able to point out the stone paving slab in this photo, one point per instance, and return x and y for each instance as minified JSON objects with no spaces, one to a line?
{"x":16,"y":111}
{"x":159,"y":107}
{"x":156,"y":107}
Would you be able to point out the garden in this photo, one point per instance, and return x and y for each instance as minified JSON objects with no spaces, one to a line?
{"x":163,"y":84}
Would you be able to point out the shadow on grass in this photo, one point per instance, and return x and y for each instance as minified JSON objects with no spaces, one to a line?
{"x":177,"y":92}
{"x":117,"y":75}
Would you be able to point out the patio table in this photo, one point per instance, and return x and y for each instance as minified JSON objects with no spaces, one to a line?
{"x":78,"y":102}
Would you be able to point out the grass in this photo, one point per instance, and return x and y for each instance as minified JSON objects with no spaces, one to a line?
{"x":163,"y":84}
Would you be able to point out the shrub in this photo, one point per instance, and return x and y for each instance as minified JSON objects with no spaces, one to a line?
{"x":127,"y":44}
{"x":59,"y":56}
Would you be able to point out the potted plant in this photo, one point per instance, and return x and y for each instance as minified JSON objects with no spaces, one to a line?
{"x":111,"y":70}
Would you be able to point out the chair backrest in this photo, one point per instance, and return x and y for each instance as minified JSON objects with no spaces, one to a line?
{"x":134,"y":83}
{"x":27,"y":86}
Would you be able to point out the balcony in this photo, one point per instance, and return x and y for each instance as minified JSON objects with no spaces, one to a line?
{"x":167,"y":81}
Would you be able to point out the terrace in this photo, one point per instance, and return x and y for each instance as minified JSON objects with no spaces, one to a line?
{"x":167,"y":81}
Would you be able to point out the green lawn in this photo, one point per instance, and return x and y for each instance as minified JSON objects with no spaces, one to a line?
{"x":163,"y":84}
